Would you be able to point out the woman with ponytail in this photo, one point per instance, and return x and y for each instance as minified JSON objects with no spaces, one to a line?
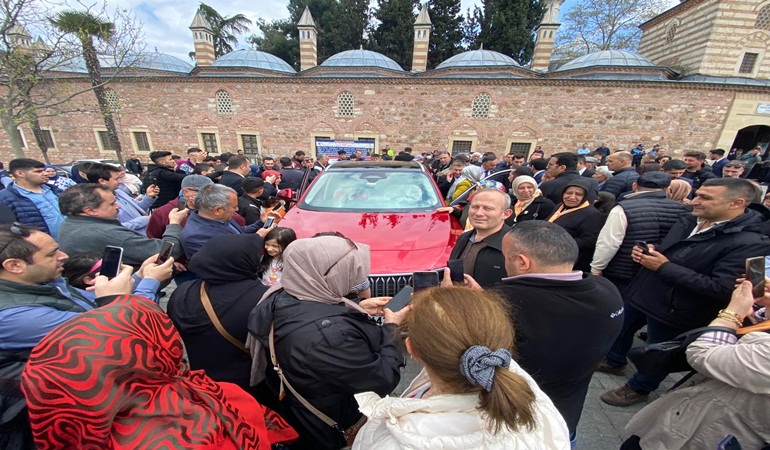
{"x":470,"y":394}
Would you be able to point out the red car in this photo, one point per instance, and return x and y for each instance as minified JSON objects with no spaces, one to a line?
{"x":388,"y":205}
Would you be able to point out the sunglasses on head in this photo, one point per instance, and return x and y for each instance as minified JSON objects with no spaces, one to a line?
{"x":18,"y":229}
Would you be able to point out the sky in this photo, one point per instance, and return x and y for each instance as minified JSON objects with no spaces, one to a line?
{"x":165,"y":24}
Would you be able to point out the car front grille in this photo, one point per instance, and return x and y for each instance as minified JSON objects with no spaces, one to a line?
{"x":389,"y":285}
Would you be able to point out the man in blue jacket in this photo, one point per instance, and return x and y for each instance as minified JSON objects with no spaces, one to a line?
{"x":34,"y":203}
{"x":623,"y":174}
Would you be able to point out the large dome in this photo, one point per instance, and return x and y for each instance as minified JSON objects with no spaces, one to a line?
{"x":136,"y":61}
{"x":614,"y":58}
{"x":478,"y":58}
{"x":361,"y":58}
{"x":162,"y":61}
{"x":253,"y":59}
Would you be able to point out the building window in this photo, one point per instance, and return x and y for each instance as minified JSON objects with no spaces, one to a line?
{"x":480,"y":106}
{"x":224,"y":103}
{"x":671,"y":32}
{"x":142,"y":141}
{"x":104,"y":140}
{"x":21,"y":138}
{"x":520,"y":148}
{"x":461,"y":147}
{"x":250,"y":144}
{"x":749,"y":60}
{"x":345,"y":104}
{"x":763,"y":19}
{"x":112,"y":100}
{"x":48,"y":138}
{"x":210,"y":142}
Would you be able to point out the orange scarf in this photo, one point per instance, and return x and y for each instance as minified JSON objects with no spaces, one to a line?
{"x":521,"y":206}
{"x":561,"y":211}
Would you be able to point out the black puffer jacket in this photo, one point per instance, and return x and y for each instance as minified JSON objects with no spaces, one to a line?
{"x":540,"y":209}
{"x":328,"y":353}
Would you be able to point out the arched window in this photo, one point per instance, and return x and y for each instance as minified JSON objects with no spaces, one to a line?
{"x":345,"y":104}
{"x":671,"y":32}
{"x":480,"y":106}
{"x":224,"y":104}
{"x":112,"y":100}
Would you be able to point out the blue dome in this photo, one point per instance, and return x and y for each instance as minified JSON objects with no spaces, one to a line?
{"x":478,"y":58}
{"x":161,"y":61}
{"x":614,"y":58}
{"x":253,"y":59}
{"x":148,"y":61}
{"x":361,"y":58}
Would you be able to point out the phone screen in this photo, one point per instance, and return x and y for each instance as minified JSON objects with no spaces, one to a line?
{"x":113,"y":256}
{"x":165,"y":252}
{"x":269,"y":222}
{"x":456,"y":270}
{"x":424,"y":280}
{"x":182,"y":204}
{"x":755,"y":272}
{"x":401,"y":299}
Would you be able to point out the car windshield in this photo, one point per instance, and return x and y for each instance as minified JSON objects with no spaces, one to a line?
{"x":373,"y":191}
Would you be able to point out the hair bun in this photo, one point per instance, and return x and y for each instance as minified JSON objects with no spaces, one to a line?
{"x":478,"y":365}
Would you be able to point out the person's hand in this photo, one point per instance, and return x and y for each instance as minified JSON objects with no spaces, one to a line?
{"x":742,"y":301}
{"x":598,"y":274}
{"x":179,"y":267}
{"x":122,"y":284}
{"x":262,"y":232}
{"x":152,"y":191}
{"x":271,"y":213}
{"x":471,"y":283}
{"x":271,"y":179}
{"x":160,"y":272}
{"x":374,"y":306}
{"x":653,"y":261}
{"x":151,"y":260}
{"x":398,"y":316}
{"x":176,"y":217}
{"x":446,"y":209}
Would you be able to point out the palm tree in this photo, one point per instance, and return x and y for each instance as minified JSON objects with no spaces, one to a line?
{"x":86,"y":26}
{"x":224,"y":29}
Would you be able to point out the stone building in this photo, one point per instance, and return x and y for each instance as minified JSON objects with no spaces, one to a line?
{"x":689,"y":89}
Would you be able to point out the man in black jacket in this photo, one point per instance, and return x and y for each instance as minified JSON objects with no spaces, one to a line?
{"x":165,"y":177}
{"x":249,"y":204}
{"x":689,"y":277}
{"x":623,"y":174}
{"x":562,"y":168}
{"x":133,"y":165}
{"x":237,"y":169}
{"x":481,"y":248}
{"x":291,"y":178}
{"x":696,"y":169}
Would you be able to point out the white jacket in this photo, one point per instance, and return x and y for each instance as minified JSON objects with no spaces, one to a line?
{"x":452,"y":422}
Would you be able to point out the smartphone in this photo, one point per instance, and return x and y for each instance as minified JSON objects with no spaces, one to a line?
{"x":111,"y":261}
{"x":424,"y":280}
{"x":643,"y":245}
{"x":755,"y":272}
{"x":729,"y":443}
{"x":269,"y":222}
{"x":165,"y":252}
{"x":400,"y":300}
{"x":456,"y":270}
{"x":182,"y":204}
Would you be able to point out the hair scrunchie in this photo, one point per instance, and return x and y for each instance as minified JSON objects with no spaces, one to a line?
{"x":478,"y":365}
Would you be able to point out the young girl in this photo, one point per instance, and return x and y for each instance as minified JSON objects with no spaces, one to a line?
{"x":272,"y":262}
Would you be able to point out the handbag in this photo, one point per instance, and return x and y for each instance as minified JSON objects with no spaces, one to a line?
{"x":215,"y":320}
{"x":667,"y":357}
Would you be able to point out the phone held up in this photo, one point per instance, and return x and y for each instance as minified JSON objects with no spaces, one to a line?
{"x":755,"y":272}
{"x":182,"y":204}
{"x":643,"y":246}
{"x":269,"y":222}
{"x":401,"y":299}
{"x":165,"y":252}
{"x":424,"y":280}
{"x":456,"y":271}
{"x":111,"y":261}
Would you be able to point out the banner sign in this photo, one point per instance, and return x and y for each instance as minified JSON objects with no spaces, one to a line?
{"x":330,"y":147}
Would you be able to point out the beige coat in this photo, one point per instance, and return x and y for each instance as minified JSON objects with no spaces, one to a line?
{"x":731,"y":395}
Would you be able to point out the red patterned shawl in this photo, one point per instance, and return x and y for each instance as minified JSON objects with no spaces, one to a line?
{"x":114,"y":378}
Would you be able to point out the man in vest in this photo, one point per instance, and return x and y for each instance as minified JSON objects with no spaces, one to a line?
{"x":646,"y":215}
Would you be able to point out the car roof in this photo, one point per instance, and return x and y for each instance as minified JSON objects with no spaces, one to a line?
{"x":408,"y":165}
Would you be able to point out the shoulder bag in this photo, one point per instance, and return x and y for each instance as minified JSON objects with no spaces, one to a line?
{"x":215,"y":320}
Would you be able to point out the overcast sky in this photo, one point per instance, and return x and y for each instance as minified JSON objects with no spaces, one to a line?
{"x":165,"y":23}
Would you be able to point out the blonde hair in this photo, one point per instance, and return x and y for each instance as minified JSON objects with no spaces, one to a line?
{"x":444,"y":323}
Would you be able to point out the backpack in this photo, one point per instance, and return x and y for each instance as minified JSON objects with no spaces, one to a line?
{"x":148,"y":178}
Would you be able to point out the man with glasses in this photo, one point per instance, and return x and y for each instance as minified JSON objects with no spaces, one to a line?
{"x":34,"y":203}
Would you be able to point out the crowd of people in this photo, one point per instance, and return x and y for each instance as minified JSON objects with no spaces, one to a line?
{"x":270,"y":341}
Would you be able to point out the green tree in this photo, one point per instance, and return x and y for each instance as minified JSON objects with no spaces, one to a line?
{"x":594,"y":25}
{"x":276,"y":39}
{"x":394,"y":34}
{"x":344,"y":26}
{"x":506,"y":26}
{"x":224,"y":28}
{"x":447,"y":34}
{"x":87,"y":26}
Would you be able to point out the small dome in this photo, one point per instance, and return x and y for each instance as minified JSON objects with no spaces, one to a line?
{"x":161,"y":61}
{"x":614,"y":58}
{"x":361,"y":58}
{"x":253,"y":59}
{"x":478,"y":58}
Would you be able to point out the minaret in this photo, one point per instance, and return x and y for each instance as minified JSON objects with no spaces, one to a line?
{"x":308,"y":44}
{"x":422,"y":28}
{"x":19,"y":36}
{"x":546,"y":35}
{"x":204,"y":41}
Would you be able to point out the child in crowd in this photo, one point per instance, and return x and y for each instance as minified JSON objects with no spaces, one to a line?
{"x":272,"y":263}
{"x":81,"y":270}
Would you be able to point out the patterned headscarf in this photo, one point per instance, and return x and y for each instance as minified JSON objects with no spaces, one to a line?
{"x":114,"y":378}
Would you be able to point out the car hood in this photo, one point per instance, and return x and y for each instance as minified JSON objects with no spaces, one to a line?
{"x":400,"y":242}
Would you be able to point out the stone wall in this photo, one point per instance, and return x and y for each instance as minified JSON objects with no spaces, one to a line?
{"x":425,"y":114}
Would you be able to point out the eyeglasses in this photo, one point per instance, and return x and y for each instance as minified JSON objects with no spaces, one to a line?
{"x":18,"y":229}
{"x":309,"y":160}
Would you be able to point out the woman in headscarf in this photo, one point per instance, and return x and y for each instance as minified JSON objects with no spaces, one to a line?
{"x":115,"y":378}
{"x":679,"y":191}
{"x":326,"y":346}
{"x":227,"y":266}
{"x":576,"y":214}
{"x":55,"y":180}
{"x":470,"y":176}
{"x":529,"y":203}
